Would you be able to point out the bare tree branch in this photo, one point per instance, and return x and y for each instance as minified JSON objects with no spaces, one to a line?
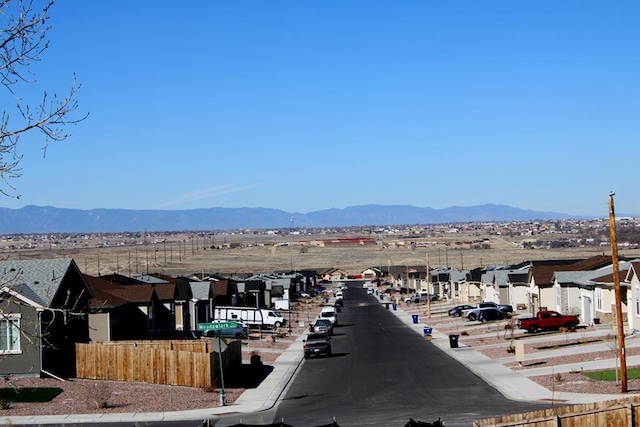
{"x":23,"y":39}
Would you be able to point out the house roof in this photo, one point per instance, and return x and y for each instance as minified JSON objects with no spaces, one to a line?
{"x":608,"y":278}
{"x":120,"y":279}
{"x":200,"y":290}
{"x":634,"y":269}
{"x":165,"y":291}
{"x":592,"y":263}
{"x":151,"y":278}
{"x":37,"y":280}
{"x":105,"y":293}
{"x":544,"y":274}
{"x":591,"y":277}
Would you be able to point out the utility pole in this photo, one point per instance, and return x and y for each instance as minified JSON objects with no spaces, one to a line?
{"x":616,"y":285}
{"x":428,"y":290}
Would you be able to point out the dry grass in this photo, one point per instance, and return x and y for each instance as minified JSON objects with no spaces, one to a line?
{"x":259,"y":254}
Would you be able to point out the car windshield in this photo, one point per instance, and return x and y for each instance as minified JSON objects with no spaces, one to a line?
{"x":316,"y":337}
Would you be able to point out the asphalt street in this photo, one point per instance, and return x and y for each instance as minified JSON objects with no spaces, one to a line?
{"x":383,"y":373}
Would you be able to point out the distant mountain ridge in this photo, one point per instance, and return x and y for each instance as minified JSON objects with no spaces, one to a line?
{"x":47,"y":219}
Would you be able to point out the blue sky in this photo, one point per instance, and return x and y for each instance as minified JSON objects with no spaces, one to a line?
{"x":302,"y":106}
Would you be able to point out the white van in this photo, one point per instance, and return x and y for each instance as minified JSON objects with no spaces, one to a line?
{"x":329,"y":313}
{"x":256,"y":317}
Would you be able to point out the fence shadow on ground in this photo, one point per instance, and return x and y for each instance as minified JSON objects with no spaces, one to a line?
{"x":247,"y":376}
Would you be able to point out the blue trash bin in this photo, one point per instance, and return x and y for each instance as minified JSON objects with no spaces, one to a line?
{"x":427,"y":330}
{"x":415,"y":318}
{"x":395,"y":306}
{"x":381,"y":297}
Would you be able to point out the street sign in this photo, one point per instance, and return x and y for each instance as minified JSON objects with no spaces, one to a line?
{"x":216,"y":326}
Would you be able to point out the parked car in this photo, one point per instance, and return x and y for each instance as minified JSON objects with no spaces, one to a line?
{"x":240,"y":331}
{"x":339,"y":295}
{"x":473,"y":313}
{"x":491,"y":314}
{"x":316,"y":344}
{"x":457,"y":310}
{"x":369,"y":291}
{"x":322,"y":326}
{"x":421,"y":297}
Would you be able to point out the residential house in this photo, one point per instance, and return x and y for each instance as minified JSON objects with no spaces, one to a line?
{"x":180,"y":300}
{"x":164,"y":315}
{"x":632,"y":278}
{"x":605,"y":296}
{"x":43,"y":314}
{"x":470,"y":288}
{"x":372,"y":273}
{"x":446,"y":282}
{"x":201,"y":301}
{"x":120,"y":312}
{"x":542,"y":294}
{"x":332,"y":274}
{"x":589,"y":294}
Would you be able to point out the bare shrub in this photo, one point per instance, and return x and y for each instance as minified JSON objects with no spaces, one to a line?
{"x":5,"y":404}
{"x":100,"y":395}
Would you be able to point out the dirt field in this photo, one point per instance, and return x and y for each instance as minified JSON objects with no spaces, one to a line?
{"x":185,"y":255}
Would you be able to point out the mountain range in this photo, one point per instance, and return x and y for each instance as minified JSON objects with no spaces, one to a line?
{"x":46,"y":219}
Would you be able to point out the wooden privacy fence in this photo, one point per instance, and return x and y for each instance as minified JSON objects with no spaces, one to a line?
{"x":184,"y":363}
{"x":614,"y":413}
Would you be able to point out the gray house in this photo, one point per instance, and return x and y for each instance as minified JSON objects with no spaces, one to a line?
{"x":43,"y":314}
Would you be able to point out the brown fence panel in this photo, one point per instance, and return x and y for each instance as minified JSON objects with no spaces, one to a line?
{"x":619,"y":413}
{"x":185,"y":363}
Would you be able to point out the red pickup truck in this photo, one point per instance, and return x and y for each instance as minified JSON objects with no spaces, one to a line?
{"x":548,"y":320}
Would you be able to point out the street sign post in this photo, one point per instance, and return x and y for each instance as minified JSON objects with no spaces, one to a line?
{"x":220,"y":347}
{"x":214,"y":326}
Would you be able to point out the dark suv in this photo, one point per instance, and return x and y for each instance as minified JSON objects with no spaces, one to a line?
{"x":317,"y":344}
{"x":491,"y":314}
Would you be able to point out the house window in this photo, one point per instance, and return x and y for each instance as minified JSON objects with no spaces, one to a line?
{"x":598,"y":299}
{"x":637,"y":298}
{"x":9,"y":334}
{"x":558,"y":296}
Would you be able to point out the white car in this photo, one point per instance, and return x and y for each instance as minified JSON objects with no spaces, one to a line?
{"x":369,"y":291}
{"x":339,"y":295}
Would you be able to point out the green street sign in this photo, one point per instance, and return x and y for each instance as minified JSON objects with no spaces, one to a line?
{"x":216,"y":326}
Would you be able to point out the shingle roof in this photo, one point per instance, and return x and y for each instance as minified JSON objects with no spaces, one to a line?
{"x":105,"y":293}
{"x":200,"y":290}
{"x":38,"y":280}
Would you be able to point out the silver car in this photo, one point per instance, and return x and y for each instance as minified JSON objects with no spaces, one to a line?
{"x":322,"y":326}
{"x":240,"y":331}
